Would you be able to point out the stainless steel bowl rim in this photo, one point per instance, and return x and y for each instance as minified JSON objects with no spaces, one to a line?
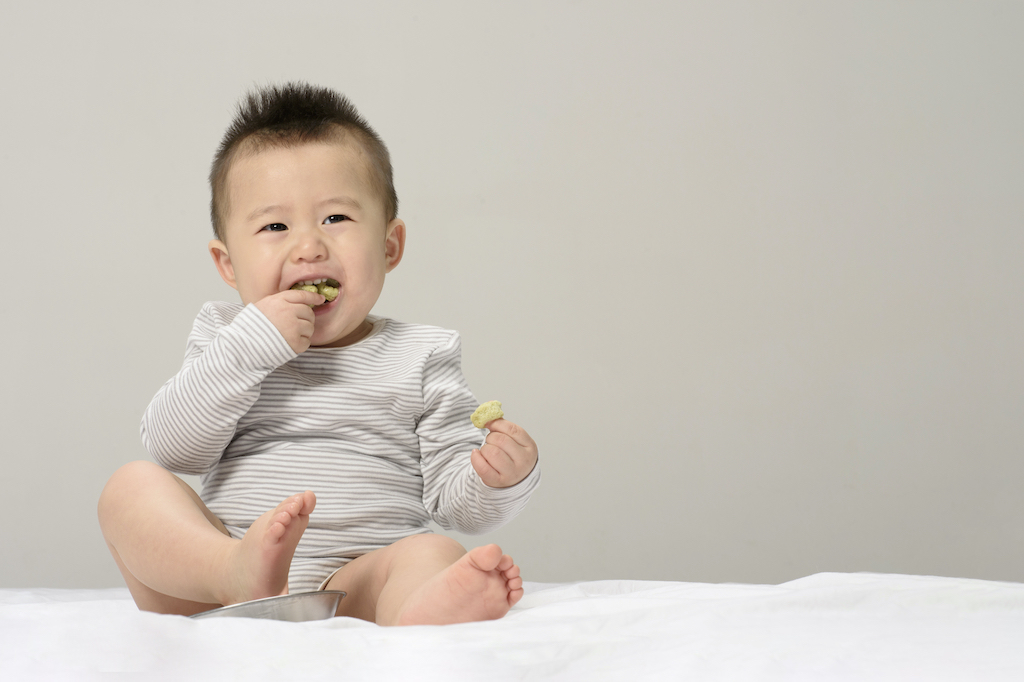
{"x":275,"y":608}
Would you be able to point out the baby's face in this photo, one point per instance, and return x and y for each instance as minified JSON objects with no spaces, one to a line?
{"x":303,"y":213}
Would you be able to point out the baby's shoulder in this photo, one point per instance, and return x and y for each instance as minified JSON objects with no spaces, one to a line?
{"x":212,"y":318}
{"x":411,"y":333}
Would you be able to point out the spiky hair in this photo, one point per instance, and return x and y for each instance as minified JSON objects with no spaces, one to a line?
{"x":293,"y":114}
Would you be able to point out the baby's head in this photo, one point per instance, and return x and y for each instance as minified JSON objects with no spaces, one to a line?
{"x":303,"y":194}
{"x":291,"y":115}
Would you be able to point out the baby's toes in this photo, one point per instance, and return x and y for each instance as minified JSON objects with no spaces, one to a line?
{"x":278,"y":526}
{"x":276,"y":531}
{"x":292,"y":506}
{"x":284,"y":518}
{"x":307,"y":502}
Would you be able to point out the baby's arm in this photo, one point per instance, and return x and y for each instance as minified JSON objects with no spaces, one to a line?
{"x":194,"y":415}
{"x":455,"y":494}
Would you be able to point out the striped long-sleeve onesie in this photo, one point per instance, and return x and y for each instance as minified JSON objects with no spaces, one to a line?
{"x":379,"y":430}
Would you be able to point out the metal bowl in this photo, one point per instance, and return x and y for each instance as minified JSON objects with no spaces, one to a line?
{"x":296,"y":608}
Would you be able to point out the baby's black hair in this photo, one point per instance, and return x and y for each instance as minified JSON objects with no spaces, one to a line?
{"x":293,"y":114}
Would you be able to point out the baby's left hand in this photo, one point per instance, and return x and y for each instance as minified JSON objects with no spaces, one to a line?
{"x":507,"y":456}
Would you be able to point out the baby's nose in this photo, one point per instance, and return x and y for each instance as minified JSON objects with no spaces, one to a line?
{"x":309,"y":246}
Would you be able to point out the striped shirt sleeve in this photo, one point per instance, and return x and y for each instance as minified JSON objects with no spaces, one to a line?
{"x":453,"y":493}
{"x":193,"y":416}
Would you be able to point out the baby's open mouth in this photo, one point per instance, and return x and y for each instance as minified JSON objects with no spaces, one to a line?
{"x":326,"y":287}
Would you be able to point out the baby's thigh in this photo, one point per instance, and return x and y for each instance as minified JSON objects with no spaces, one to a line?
{"x":210,"y":516}
{"x":142,"y":489}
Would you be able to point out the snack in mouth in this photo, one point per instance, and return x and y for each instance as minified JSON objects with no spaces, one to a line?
{"x":327,"y":287}
{"x":487,"y":412}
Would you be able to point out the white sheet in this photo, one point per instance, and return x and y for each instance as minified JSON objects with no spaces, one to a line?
{"x":824,"y":627}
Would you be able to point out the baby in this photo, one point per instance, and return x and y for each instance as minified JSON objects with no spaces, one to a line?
{"x":290,"y":392}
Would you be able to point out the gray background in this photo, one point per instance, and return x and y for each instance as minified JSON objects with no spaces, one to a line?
{"x":749,"y":272}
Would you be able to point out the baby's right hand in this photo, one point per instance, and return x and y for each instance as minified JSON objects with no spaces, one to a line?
{"x":291,"y":311}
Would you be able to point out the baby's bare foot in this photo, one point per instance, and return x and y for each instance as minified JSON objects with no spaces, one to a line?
{"x":482,"y":585}
{"x":261,"y":560}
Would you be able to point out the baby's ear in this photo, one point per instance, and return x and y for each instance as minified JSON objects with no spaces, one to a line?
{"x":222,"y":260}
{"x":394,"y":243}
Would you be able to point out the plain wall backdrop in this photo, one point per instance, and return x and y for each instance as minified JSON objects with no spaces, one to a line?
{"x":749,"y":272}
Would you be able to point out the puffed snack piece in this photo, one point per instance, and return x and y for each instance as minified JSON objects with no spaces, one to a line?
{"x":327,"y":288}
{"x":486,"y":413}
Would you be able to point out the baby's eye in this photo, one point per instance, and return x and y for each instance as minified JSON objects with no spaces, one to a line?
{"x":275,"y":227}
{"x":330,"y":220}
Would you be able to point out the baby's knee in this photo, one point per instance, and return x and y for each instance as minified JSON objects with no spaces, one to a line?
{"x":431,"y":543}
{"x":126,"y":480}
{"x":134,"y":473}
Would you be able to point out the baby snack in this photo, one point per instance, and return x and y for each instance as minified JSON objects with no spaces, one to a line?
{"x":489,"y":411}
{"x":328,"y":288}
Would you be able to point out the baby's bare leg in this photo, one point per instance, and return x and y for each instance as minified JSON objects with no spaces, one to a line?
{"x":429,"y":579}
{"x":177,"y":557}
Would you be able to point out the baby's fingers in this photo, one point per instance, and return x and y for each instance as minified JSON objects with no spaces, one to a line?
{"x":482,"y":466}
{"x":307,"y":298}
{"x":486,"y":469}
{"x":495,"y":467}
{"x":513,"y":431}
